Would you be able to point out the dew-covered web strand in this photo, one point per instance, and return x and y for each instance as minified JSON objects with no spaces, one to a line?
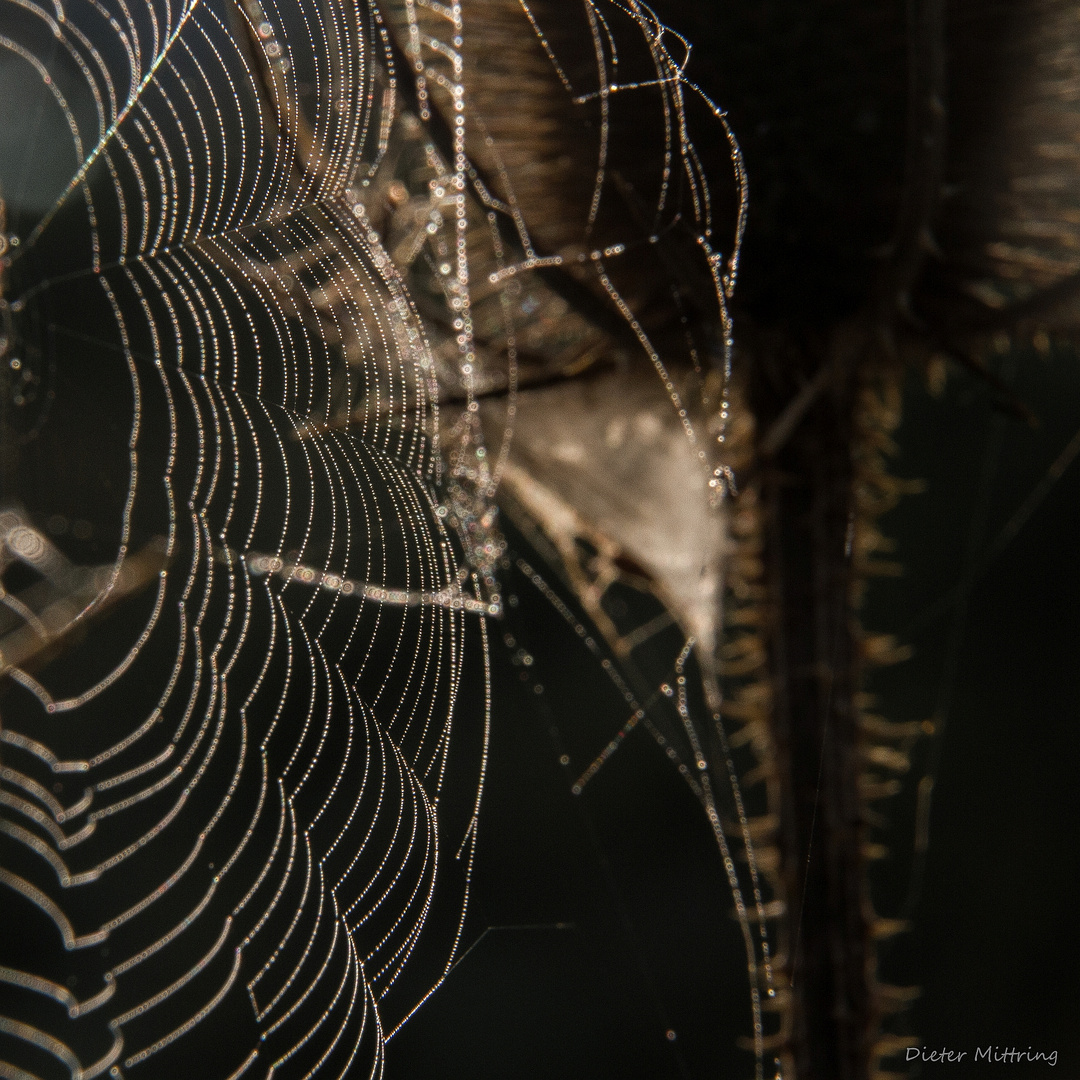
{"x":670,"y":78}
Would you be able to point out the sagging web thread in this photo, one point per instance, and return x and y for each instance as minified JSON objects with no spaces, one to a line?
{"x":243,"y":794}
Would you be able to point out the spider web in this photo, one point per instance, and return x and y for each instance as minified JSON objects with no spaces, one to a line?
{"x":246,"y":554}
{"x":602,"y":385}
{"x":234,"y":814}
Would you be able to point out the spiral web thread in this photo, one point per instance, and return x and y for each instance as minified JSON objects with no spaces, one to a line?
{"x":236,"y":818}
{"x":245,"y":814}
